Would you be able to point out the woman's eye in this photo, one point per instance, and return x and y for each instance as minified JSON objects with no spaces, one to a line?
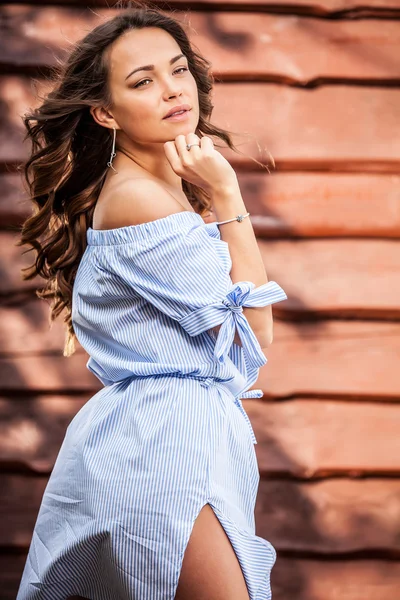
{"x":144,"y":80}
{"x":140,"y":83}
{"x":181,"y":69}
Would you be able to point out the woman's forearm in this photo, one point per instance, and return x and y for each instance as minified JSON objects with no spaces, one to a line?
{"x":247,"y":262}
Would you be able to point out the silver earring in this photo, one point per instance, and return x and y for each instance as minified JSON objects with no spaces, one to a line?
{"x":113,"y":154}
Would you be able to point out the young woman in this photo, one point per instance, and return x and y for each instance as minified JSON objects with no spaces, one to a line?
{"x":152,"y":495}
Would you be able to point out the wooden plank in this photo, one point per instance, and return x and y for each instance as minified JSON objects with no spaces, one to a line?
{"x":249,"y":46}
{"x":303,"y":438}
{"x":346,"y":278}
{"x":322,"y":204}
{"x":327,"y":518}
{"x":15,"y":205}
{"x":25,"y":329}
{"x":309,"y":579}
{"x":330,"y":517}
{"x":330,"y":580}
{"x":32,"y":430}
{"x":320,"y":438}
{"x":12,"y":261}
{"x":317,"y":276}
{"x":11,"y":567}
{"x":20,"y":498}
{"x":318,"y":7}
{"x":316,"y":142}
{"x":304,"y":358}
{"x":333,"y":358}
{"x":314,"y":145}
{"x":51,"y":373}
{"x":285,"y":204}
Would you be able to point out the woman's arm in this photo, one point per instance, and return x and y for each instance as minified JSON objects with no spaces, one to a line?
{"x":247,"y":263}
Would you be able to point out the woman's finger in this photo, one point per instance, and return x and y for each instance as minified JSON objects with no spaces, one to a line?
{"x":181,"y":142}
{"x":193,"y":138}
{"x":206,"y":143}
{"x":172,"y":155}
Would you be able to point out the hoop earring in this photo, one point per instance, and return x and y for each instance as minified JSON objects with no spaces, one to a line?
{"x":113,"y":154}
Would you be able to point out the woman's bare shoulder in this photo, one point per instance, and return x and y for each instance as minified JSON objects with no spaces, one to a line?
{"x":133,"y":201}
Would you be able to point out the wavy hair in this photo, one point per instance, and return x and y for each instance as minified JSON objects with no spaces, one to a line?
{"x":66,"y":168}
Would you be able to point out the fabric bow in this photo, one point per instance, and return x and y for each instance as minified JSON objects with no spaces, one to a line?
{"x":245,"y":294}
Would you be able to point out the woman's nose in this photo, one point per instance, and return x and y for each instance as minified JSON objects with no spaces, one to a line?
{"x":172,"y":89}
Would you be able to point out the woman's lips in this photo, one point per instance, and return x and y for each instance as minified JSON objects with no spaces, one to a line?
{"x":178,"y":117}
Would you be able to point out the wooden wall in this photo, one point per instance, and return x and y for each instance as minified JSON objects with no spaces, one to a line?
{"x":318,"y":83}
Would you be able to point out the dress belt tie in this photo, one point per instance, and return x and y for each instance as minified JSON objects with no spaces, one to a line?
{"x":249,"y":394}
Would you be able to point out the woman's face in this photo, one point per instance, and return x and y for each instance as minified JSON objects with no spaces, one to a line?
{"x":141,"y":97}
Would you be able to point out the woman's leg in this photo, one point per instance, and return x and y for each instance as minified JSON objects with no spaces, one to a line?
{"x":210,"y":568}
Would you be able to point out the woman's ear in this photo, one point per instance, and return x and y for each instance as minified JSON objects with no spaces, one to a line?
{"x":103,"y":117}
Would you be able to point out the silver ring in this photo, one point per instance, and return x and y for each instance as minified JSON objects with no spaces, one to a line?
{"x":188,"y":146}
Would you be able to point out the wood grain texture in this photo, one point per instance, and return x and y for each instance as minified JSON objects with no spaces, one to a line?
{"x":333,"y":358}
{"x":333,"y":580}
{"x":346,"y":278}
{"x":322,"y":8}
{"x":321,"y":98}
{"x":322,"y":204}
{"x":321,"y":438}
{"x":303,"y":438}
{"x":32,"y":430}
{"x":309,"y":579}
{"x":322,"y":277}
{"x":316,"y":144}
{"x":249,"y":46}
{"x":50,"y":373}
{"x":329,"y":517}
{"x":284,"y":205}
{"x":341,"y":278}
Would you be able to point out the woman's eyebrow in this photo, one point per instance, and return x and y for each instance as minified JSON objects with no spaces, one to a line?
{"x":151,"y":67}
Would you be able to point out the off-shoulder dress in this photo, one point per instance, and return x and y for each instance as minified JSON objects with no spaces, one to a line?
{"x":167,"y":433}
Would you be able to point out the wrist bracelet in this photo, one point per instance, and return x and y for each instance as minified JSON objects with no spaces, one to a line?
{"x":239,"y":218}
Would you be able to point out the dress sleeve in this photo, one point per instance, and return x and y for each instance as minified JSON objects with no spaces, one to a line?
{"x":185,"y":273}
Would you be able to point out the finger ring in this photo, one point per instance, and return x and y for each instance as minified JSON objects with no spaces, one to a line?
{"x":188,"y":146}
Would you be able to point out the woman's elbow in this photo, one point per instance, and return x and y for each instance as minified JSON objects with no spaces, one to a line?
{"x":265,"y":338}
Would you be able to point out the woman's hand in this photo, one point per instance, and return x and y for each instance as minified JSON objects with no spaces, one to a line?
{"x":202,"y":165}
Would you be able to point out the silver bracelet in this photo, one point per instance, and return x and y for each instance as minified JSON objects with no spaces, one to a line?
{"x":238,"y":218}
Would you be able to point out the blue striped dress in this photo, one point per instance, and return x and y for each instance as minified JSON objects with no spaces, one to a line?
{"x":167,"y":433}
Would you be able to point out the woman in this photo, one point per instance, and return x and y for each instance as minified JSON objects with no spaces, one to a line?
{"x":152,"y":495}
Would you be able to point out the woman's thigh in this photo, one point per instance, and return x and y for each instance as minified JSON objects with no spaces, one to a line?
{"x":210,"y":568}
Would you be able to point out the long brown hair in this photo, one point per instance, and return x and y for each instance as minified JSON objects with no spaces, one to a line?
{"x":67,"y":166}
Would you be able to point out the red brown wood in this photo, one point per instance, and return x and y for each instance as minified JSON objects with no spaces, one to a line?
{"x":25,"y":330}
{"x":32,"y":430}
{"x":347,"y":278}
{"x":331,"y":580}
{"x":314,"y":145}
{"x":52,"y":373}
{"x":326,"y":517}
{"x":317,"y":8}
{"x":327,"y":427}
{"x":329,"y":517}
{"x":309,"y":579}
{"x":11,"y":566}
{"x":304,"y":438}
{"x":322,"y":204}
{"x":15,"y":205}
{"x":241,"y":46}
{"x":318,"y":276}
{"x":285,"y":204}
{"x":334,"y":358}
{"x":321,"y":438}
{"x":337,"y":358}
